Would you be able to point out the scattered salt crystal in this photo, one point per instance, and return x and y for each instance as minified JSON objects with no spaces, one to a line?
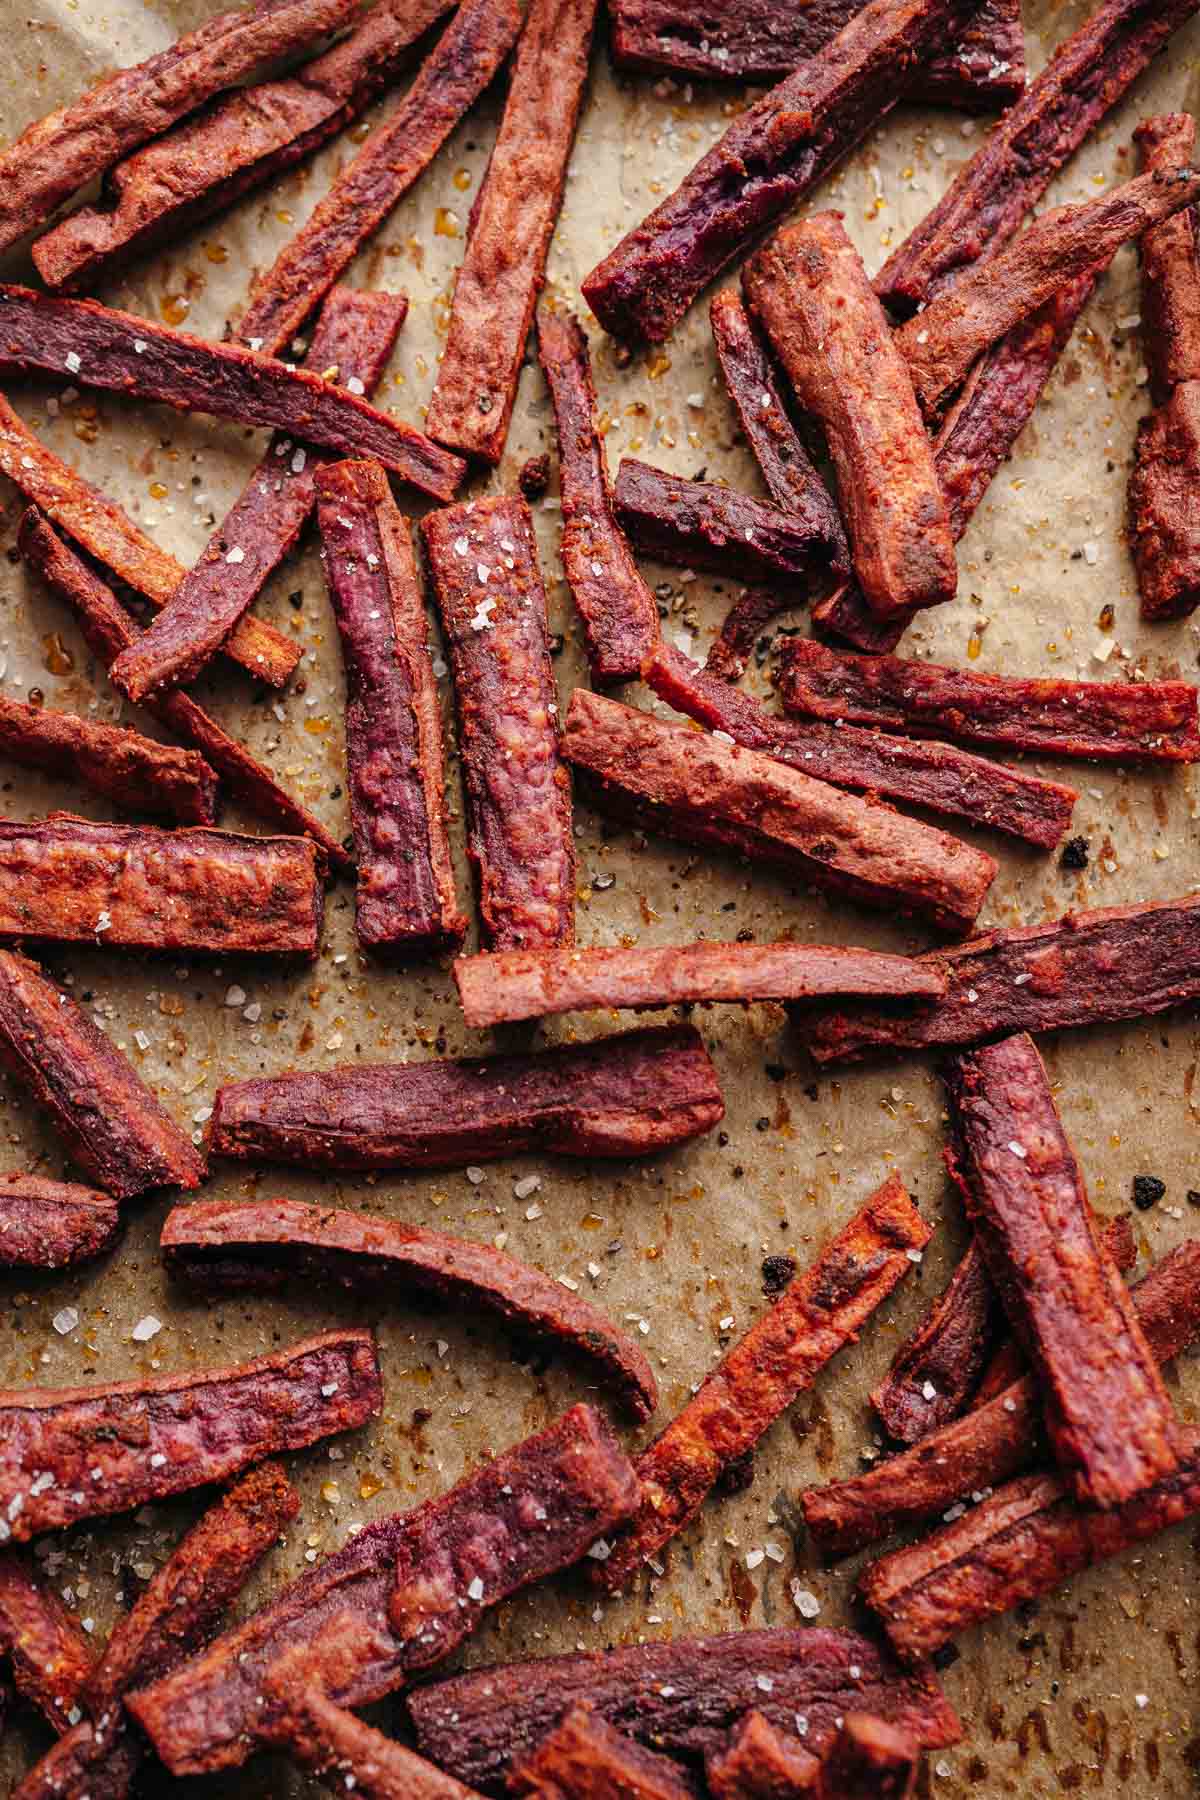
{"x":533,"y":1212}
{"x":157,"y":1460}
{"x":442,"y":1347}
{"x":141,"y":1040}
{"x":1017,"y":1149}
{"x":475,"y":1591}
{"x":600,"y":1551}
{"x":805,"y":1601}
{"x":1141,"y":1700}
{"x":252,"y":1013}
{"x":236,"y":555}
{"x":354,"y":385}
{"x":929,"y":1392}
{"x":202,"y":1115}
{"x":1091,"y":552}
{"x":568,"y":1282}
{"x":462,"y":545}
{"x":145,"y":1329}
{"x":914,"y":1256}
{"x":329,"y":1388}
{"x":65,"y":1321}
{"x":139,"y":345}
{"x":696,"y":401}
{"x":72,"y":361}
{"x":764,"y":1683}
{"x":528,"y":1184}
{"x":753,"y":1558}
{"x":236,"y":996}
{"x":474,"y":1175}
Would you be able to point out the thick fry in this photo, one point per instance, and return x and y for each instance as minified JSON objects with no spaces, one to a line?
{"x":131,"y":770}
{"x":53,"y":1224}
{"x":50,"y":1653}
{"x":809,"y":290}
{"x":760,"y":1763}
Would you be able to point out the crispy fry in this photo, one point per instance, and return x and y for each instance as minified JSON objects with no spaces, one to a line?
{"x":678,"y":1697}
{"x":583,"y":1758}
{"x":995,"y":190}
{"x":1110,"y":721}
{"x":483,"y":560}
{"x":131,"y":770}
{"x":809,"y":290}
{"x":129,"y":355}
{"x":530,"y":984}
{"x":629,"y":1095}
{"x":1023,"y":1541}
{"x":218,"y":1249}
{"x":620,"y":618}
{"x":406,"y":901}
{"x":170,"y":1433}
{"x":760,"y":1763}
{"x":1119,"y":962}
{"x":73,"y":881}
{"x":701,"y":525}
{"x":512,"y":223}
{"x":99,"y":526}
{"x":112,"y":1125}
{"x":53,"y":1224}
{"x":702,"y":791}
{"x":49,"y":1650}
{"x":781,"y":1355}
{"x":1164,"y":536}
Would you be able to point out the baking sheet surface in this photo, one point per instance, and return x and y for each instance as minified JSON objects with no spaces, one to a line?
{"x":1092,"y":1691}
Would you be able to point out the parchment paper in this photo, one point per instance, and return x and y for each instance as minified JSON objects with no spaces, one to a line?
{"x":1095,"y":1690}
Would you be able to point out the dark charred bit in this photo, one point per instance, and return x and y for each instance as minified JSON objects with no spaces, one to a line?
{"x":534,"y":476}
{"x":777,"y":1272}
{"x":1075,"y":853}
{"x":1148,"y":1190}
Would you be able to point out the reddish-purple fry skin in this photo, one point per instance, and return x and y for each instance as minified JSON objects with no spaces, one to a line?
{"x":785,"y":464}
{"x":61,"y":152}
{"x":131,"y":770}
{"x":870,"y":1760}
{"x":112,"y":539}
{"x":512,"y":223}
{"x":769,"y":158}
{"x":483,"y":562}
{"x":99,"y":1757}
{"x":939,"y":776}
{"x":975,"y":439}
{"x":53,"y":1224}
{"x":242,"y":140}
{"x":987,"y":300}
{"x":405,"y":896}
{"x":67,"y":880}
{"x":583,"y":1758}
{"x":620,"y":618}
{"x":1023,"y":1541}
{"x":760,"y":40}
{"x":457,"y":70}
{"x":354,"y":337}
{"x":1109,"y":721}
{"x":107,"y":629}
{"x":111,"y":1123}
{"x":1017,"y":160}
{"x":219,"y":1248}
{"x":961,"y":1335}
{"x":759,"y":1762}
{"x":948,"y":1351}
{"x":435,"y":1569}
{"x":1109,"y":1419}
{"x":535,"y":1509}
{"x":757,"y":1379}
{"x":204,"y":1425}
{"x":694,"y":787}
{"x":531,"y":984}
{"x":1120,"y":962}
{"x":49,"y":1651}
{"x":629,"y":1095}
{"x":40,"y":332}
{"x":1170,"y":272}
{"x":1163,"y":534}
{"x":997,"y":1438}
{"x":680,"y":1697}
{"x":701,"y":525}
{"x":809,"y":290}
{"x":339,"y":1747}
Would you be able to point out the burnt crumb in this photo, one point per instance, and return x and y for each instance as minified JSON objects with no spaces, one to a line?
{"x":1148,"y":1190}
{"x":946,"y":1657}
{"x":812,"y":1091}
{"x":296,"y":600}
{"x":1075,"y":853}
{"x":723,"y":1143}
{"x":762,"y":1124}
{"x":736,"y":1476}
{"x":1193,"y":1197}
{"x":534,"y":477}
{"x":776,"y":1071}
{"x":777,"y":1272}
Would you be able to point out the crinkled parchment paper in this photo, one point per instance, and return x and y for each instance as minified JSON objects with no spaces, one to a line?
{"x":1095,"y":1690}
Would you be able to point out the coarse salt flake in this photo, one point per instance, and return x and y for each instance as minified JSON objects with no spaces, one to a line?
{"x":475,"y":1590}
{"x":145,"y":1329}
{"x":236,"y":555}
{"x":72,"y":361}
{"x":805,"y":1601}
{"x":65,"y":1321}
